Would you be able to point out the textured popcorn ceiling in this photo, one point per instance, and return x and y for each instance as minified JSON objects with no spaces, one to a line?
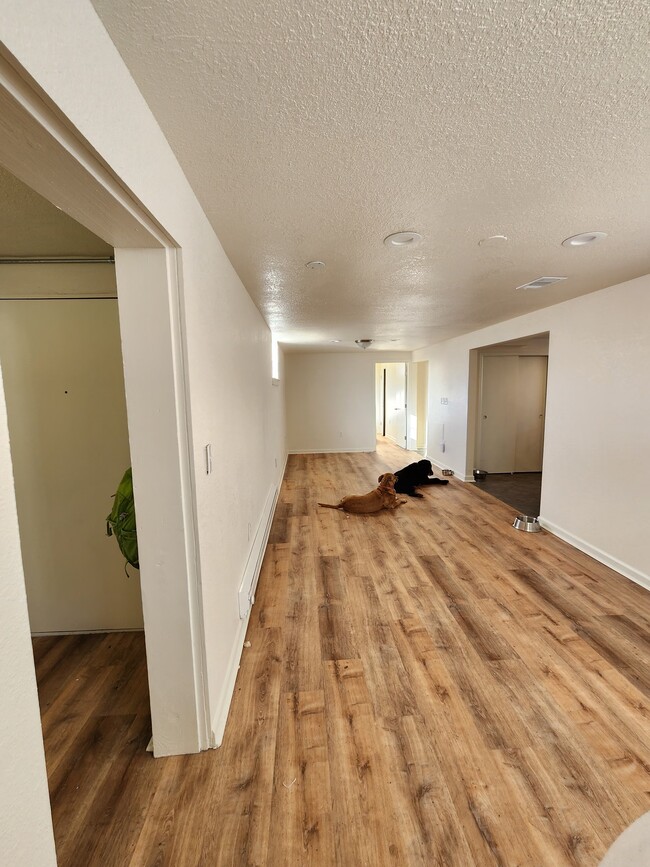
{"x":312,"y":129}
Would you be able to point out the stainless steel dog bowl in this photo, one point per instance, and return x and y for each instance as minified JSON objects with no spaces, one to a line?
{"x":527,"y":523}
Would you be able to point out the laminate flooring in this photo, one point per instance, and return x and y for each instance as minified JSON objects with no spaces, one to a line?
{"x":522,"y":491}
{"x":423,"y":687}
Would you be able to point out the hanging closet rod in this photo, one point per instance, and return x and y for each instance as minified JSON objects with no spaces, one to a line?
{"x":57,"y":260}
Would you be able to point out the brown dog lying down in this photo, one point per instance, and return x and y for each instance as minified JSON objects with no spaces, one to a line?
{"x":383,"y":497}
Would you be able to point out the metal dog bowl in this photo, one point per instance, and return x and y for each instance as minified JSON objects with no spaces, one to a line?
{"x":479,"y":475}
{"x":527,"y":523}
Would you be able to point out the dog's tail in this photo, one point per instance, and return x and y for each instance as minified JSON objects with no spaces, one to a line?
{"x":330,"y":506}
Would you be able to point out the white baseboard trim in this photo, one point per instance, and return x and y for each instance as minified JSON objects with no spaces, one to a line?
{"x":617,"y":565}
{"x":462,"y":478}
{"x":246,"y":599}
{"x":89,"y":631}
{"x":246,"y":594}
{"x":223,"y":705}
{"x":326,"y":451}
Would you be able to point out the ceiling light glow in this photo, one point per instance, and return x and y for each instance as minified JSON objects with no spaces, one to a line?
{"x":402,"y":239}
{"x":583,"y":239}
{"x":493,"y":241}
{"x":541,"y":282}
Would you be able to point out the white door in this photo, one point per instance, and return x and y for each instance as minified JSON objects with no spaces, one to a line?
{"x":498,"y":424}
{"x":531,"y":405}
{"x":513,"y":398}
{"x":396,"y":403}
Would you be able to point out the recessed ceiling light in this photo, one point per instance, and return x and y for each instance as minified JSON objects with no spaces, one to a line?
{"x":402,"y":239}
{"x":315,"y":264}
{"x":540,"y":282}
{"x":335,"y":341}
{"x":493,"y":241}
{"x":583,"y":238}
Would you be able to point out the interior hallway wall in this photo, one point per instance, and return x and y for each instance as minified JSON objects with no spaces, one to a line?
{"x":233,"y":404}
{"x":331,"y":405}
{"x":26,"y":836}
{"x":422,"y":403}
{"x":596,"y":471}
{"x":64,"y":385}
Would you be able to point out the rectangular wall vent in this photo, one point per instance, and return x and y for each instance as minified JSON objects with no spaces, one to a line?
{"x":540,"y":282}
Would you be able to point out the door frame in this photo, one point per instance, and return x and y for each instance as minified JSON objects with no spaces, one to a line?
{"x":40,"y":146}
{"x":475,"y":396}
{"x":403,"y":445}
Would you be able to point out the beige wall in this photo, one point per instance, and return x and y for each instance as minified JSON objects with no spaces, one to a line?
{"x":210,"y":351}
{"x":62,"y":366}
{"x":331,"y":399}
{"x":596,"y":471}
{"x":422,"y":368}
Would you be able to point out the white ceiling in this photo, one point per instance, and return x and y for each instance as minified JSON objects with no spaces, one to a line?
{"x":310,"y":130}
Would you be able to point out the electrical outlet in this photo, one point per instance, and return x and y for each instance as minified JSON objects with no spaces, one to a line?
{"x":444,"y":401}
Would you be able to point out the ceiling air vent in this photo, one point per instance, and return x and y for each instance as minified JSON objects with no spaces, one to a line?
{"x":540,"y":282}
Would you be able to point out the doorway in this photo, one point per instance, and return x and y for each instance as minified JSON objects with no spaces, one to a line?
{"x":64,"y":390}
{"x":60,"y":165}
{"x":391,"y":382}
{"x":511,"y":414}
{"x":401,"y":403}
{"x":513,"y":403}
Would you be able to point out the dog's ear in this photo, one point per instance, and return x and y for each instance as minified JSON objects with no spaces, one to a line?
{"x":380,"y":478}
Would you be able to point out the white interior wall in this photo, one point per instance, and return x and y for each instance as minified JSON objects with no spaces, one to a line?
{"x":379,"y":399}
{"x":227,"y":345}
{"x":412,"y":406}
{"x":596,"y":472}
{"x":64,"y":385}
{"x":26,"y":836}
{"x":422,"y":403}
{"x":331,"y":400}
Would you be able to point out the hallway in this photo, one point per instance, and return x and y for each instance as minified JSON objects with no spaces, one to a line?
{"x":421,"y":687}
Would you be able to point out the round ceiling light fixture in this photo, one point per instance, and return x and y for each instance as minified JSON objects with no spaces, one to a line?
{"x":315,"y":264}
{"x":493,"y":241}
{"x":402,"y":239}
{"x":364,"y":342}
{"x":583,"y":239}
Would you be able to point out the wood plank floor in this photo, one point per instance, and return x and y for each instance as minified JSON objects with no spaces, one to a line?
{"x":424,"y":687}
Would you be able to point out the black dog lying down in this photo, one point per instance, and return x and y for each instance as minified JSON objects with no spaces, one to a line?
{"x":410,"y":477}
